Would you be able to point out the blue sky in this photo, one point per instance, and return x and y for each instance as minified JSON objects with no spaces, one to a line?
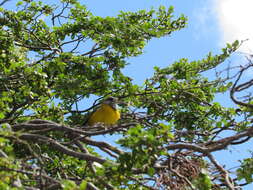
{"x":211,"y":23}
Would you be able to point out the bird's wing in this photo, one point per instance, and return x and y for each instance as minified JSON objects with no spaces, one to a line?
{"x":89,"y":114}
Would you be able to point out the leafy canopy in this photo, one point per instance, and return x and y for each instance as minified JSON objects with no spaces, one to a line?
{"x":54,"y":57}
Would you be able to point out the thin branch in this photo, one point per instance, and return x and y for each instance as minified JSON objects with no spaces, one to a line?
{"x":59,"y":14}
{"x":228,"y":180}
{"x":31,"y":173}
{"x":61,"y":148}
{"x":83,"y":149}
{"x":224,"y":142}
{"x":241,"y":141}
{"x":142,"y":183}
{"x":236,"y":88}
{"x":3,"y":2}
{"x":38,"y":47}
{"x":189,"y":146}
{"x":3,"y":154}
{"x":101,"y":144}
{"x":85,"y":131}
{"x":91,"y":186}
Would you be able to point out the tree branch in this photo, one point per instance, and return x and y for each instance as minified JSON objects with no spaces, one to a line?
{"x":61,"y":148}
{"x":224,"y":172}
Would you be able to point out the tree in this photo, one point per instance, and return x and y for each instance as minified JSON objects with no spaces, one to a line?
{"x":54,"y":57}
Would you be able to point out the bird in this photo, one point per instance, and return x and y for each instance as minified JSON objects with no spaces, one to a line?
{"x":107,"y":113}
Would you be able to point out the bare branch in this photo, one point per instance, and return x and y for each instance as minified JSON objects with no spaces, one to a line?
{"x":3,"y":2}
{"x":3,"y":154}
{"x":188,"y":146}
{"x":85,"y":131}
{"x":225,"y":174}
{"x":36,"y":174}
{"x":61,"y":148}
{"x":238,"y":88}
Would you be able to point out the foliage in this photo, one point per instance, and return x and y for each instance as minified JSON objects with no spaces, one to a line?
{"x":54,"y":58}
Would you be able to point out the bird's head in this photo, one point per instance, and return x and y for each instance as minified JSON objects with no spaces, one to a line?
{"x":111,"y":101}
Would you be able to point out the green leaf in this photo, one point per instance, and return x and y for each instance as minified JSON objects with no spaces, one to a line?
{"x":151,"y":171}
{"x":68,"y":185}
{"x":83,"y":185}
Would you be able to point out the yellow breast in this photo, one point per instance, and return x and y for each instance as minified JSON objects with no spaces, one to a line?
{"x":105,"y":114}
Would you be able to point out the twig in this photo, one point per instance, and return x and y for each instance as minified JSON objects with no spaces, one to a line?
{"x":61,"y":148}
{"x":3,"y":2}
{"x":228,"y":180}
{"x":236,"y":88}
{"x":31,"y":173}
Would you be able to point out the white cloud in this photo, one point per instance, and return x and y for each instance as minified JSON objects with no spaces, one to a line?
{"x":235,"y":18}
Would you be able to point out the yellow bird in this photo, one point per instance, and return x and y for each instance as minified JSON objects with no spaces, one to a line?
{"x":107,"y":113}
